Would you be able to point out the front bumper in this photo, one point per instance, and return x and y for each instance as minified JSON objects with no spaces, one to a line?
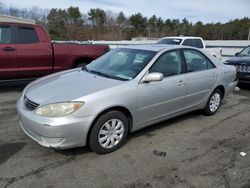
{"x":61,"y":133}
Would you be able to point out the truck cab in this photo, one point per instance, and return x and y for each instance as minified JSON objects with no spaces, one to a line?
{"x":27,"y":53}
{"x":196,"y":42}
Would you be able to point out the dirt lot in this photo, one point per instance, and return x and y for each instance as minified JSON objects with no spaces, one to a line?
{"x":189,"y":151}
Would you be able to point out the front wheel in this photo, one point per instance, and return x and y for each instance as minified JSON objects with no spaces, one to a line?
{"x":213,"y":103}
{"x":109,"y":132}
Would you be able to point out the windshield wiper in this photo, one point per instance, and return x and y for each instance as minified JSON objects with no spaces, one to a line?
{"x":103,"y":74}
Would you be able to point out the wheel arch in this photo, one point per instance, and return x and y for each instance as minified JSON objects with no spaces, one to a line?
{"x":122,"y":109}
{"x":222,"y":89}
{"x":81,"y":60}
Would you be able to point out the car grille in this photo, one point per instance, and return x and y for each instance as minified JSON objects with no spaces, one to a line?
{"x":243,"y":68}
{"x":30,"y":105}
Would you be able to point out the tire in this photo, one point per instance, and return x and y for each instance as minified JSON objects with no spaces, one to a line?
{"x":213,"y":103}
{"x":81,"y":65}
{"x":112,"y":126}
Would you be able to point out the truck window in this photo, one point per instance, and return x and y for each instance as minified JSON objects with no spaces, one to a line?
{"x":27,"y":35}
{"x":5,"y":34}
{"x":188,"y":42}
{"x":175,"y":41}
{"x":197,"y":43}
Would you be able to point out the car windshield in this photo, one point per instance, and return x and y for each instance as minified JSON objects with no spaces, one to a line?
{"x":121,"y":64}
{"x":245,"y":52}
{"x":170,"y":41}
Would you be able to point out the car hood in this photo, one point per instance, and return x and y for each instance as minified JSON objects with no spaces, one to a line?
{"x":239,"y":60}
{"x":67,"y":86}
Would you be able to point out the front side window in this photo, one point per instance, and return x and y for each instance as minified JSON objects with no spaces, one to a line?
{"x":5,"y":34}
{"x":196,"y":61}
{"x":168,"y":64}
{"x":27,"y":35}
{"x":121,"y":64}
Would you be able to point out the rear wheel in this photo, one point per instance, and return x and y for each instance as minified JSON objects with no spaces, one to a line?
{"x":109,"y":132}
{"x":213,"y":103}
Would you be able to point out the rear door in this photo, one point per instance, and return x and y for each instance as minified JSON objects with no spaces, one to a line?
{"x":202,"y":76}
{"x":34,"y":56}
{"x":8,"y":63}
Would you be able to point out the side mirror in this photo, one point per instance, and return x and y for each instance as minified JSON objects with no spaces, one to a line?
{"x":236,"y":54}
{"x":153,"y":77}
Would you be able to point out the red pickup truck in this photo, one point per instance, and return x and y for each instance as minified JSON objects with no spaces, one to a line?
{"x":26,"y":52}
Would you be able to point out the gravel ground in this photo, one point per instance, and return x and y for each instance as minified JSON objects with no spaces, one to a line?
{"x":189,"y":151}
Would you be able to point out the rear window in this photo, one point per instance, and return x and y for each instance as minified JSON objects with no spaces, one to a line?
{"x":5,"y":34}
{"x":27,"y":35}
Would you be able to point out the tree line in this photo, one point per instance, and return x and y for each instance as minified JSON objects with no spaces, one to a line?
{"x":98,"y":24}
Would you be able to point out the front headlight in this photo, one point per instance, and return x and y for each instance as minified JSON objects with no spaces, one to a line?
{"x":58,"y":109}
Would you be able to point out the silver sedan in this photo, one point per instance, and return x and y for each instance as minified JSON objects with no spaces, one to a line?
{"x":123,"y":91}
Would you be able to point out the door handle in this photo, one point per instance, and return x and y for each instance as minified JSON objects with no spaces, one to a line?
{"x":9,"y":49}
{"x":214,"y":75}
{"x":181,"y":83}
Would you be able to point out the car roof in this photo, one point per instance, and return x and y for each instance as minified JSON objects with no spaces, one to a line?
{"x":181,"y":37}
{"x":152,"y":47}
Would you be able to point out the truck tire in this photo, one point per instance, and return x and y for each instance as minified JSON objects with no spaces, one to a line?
{"x":109,"y":132}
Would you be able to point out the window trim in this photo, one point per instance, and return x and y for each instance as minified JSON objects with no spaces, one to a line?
{"x":207,"y":59}
{"x":169,"y":51}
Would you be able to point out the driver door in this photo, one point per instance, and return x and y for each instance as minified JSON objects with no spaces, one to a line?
{"x":157,"y":100}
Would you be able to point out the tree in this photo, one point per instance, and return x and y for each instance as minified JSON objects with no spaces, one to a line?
{"x":97,"y":24}
{"x":198,"y":29}
{"x":74,"y":15}
{"x":121,"y":19}
{"x":139,"y":23}
{"x":185,"y":27}
{"x":98,"y":17}
{"x":57,"y":19}
{"x":152,"y":23}
{"x":160,"y":25}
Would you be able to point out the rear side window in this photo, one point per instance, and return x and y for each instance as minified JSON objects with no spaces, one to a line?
{"x":27,"y":35}
{"x":5,"y":34}
{"x":196,"y":61}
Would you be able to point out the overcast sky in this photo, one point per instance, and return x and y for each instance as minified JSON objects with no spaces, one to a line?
{"x":193,"y":10}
